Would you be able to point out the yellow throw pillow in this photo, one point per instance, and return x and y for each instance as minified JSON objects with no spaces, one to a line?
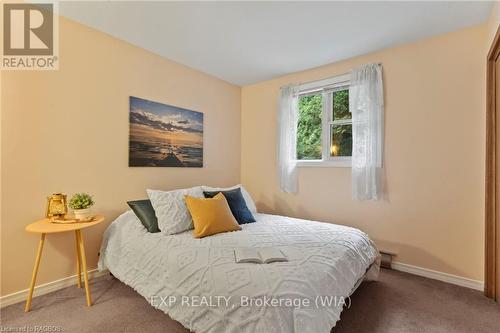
{"x":211,"y":216}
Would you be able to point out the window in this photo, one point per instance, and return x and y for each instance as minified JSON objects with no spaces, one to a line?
{"x":324,"y":129}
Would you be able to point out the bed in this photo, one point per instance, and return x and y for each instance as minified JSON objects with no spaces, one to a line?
{"x":198,"y":283}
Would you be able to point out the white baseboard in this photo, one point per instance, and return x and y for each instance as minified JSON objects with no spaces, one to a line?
{"x":46,"y":288}
{"x":445,"y":277}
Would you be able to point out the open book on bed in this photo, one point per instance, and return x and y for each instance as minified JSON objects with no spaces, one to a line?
{"x":265,"y":255}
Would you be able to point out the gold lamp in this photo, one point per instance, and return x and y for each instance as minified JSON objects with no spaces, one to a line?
{"x":334,"y":149}
{"x":56,"y":206}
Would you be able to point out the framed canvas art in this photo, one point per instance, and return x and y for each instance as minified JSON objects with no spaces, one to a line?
{"x":163,"y":135}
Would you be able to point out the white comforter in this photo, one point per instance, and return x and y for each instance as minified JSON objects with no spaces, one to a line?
{"x":198,"y":283}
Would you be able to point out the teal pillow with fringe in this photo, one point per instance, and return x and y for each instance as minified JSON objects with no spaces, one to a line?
{"x":146,"y":214}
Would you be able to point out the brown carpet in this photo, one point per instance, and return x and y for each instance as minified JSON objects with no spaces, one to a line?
{"x":399,"y":302}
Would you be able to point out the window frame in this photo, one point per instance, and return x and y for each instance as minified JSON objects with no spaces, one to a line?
{"x":324,"y":86}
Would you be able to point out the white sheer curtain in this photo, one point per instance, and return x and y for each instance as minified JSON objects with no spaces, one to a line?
{"x":287,"y":140}
{"x":367,"y":107}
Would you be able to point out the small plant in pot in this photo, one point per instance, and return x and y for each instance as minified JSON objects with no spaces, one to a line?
{"x":81,"y":203}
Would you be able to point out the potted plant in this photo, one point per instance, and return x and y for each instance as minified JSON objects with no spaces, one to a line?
{"x":81,"y":203}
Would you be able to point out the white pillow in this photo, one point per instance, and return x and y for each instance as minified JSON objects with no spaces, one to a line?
{"x":248,"y":199}
{"x":170,"y":209}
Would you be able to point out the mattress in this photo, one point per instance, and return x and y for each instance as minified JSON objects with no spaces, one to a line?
{"x":198,"y":283}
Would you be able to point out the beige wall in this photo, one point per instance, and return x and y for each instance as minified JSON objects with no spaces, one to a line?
{"x":67,"y":130}
{"x":434,"y":155}
{"x":493,"y":21}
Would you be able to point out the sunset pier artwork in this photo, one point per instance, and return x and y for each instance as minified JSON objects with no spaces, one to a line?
{"x":170,"y":160}
{"x":163,"y":135}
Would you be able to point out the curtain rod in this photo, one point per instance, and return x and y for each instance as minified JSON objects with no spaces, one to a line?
{"x":302,"y":83}
{"x":324,"y":88}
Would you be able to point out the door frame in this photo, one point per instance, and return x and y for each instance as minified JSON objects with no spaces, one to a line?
{"x":490,"y":270}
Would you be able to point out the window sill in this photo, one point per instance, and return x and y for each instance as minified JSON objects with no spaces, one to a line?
{"x":337,"y":163}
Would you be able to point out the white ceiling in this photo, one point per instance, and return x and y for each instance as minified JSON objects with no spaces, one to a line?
{"x":247,"y":42}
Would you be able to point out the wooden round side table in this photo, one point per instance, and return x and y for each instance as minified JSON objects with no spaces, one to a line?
{"x":44,"y":227}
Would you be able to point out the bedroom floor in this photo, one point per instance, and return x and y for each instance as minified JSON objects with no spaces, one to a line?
{"x":399,"y":302}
